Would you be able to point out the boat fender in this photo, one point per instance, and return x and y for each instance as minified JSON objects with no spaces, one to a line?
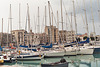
{"x":19,"y":52}
{"x":39,"y":55}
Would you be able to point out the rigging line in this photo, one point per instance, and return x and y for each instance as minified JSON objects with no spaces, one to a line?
{"x":81,"y":14}
{"x":26,"y":24}
{"x":67,"y":14}
{"x":98,"y":9}
{"x":93,"y":21}
{"x":8,"y":34}
{"x":42,"y":24}
{"x":92,"y":16}
{"x":34,"y":24}
{"x":98,"y":4}
{"x":53,"y":14}
{"x":87,"y":29}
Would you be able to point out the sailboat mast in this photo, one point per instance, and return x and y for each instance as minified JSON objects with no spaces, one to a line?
{"x":19,"y":18}
{"x":28,"y":17}
{"x":71,"y":23}
{"x":45,"y":22}
{"x":86,"y":19}
{"x":29,"y":24}
{"x":8,"y":34}
{"x":62,"y":22}
{"x":72,"y":27}
{"x":45,"y":16}
{"x":52,"y":18}
{"x":75,"y":21}
{"x":98,"y":4}
{"x":57,"y":20}
{"x":58,"y":25}
{"x":38,"y":21}
{"x":66,"y":21}
{"x":10,"y":22}
{"x":19,"y":26}
{"x":50,"y":22}
{"x":2,"y":34}
{"x":93,"y":21}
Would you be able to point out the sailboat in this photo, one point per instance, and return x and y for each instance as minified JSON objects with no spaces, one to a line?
{"x":24,"y":53}
{"x":51,"y":51}
{"x":77,"y":50}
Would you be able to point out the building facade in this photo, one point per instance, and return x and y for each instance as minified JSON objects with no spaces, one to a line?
{"x":70,"y":36}
{"x":5,"y":39}
{"x":82,"y":36}
{"x":66,"y":36}
{"x":52,"y":33}
{"x":43,"y":38}
{"x":22,"y":37}
{"x":18,"y":36}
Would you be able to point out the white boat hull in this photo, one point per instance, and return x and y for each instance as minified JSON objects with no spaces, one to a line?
{"x":29,"y":57}
{"x":51,"y":54}
{"x":70,"y":51}
{"x":85,"y":51}
{"x":78,"y":51}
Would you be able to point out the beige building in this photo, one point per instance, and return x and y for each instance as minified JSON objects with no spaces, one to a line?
{"x":82,"y":36}
{"x":66,"y":36}
{"x":92,"y":34}
{"x":70,"y":36}
{"x":43,"y":38}
{"x":3,"y":39}
{"x":54,"y":37}
{"x":23,"y":37}
{"x":62,"y":36}
{"x":18,"y":36}
{"x":36,"y":39}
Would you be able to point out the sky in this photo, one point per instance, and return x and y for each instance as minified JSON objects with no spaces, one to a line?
{"x":55,"y":4}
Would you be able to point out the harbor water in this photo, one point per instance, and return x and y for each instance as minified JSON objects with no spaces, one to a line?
{"x":74,"y":61}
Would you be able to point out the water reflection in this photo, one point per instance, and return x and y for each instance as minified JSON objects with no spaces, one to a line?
{"x":74,"y":61}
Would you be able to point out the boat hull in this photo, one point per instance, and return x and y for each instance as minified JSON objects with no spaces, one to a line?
{"x":85,"y":51}
{"x":70,"y":51}
{"x":54,"y":54}
{"x":96,"y":51}
{"x":56,"y":65}
{"x":30,"y":58}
